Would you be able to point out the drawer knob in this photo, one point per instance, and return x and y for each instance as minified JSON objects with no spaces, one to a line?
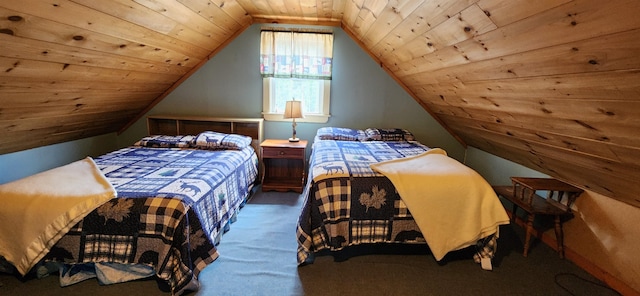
{"x":281,"y":152}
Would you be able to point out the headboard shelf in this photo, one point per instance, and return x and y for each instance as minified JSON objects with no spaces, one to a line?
{"x":193,"y":125}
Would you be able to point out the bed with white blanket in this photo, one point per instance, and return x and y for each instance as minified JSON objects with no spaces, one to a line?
{"x":380,"y":186}
{"x":154,"y":209}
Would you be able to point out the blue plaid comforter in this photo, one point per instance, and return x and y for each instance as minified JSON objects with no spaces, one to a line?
{"x":172,"y":205}
{"x":348,"y":204}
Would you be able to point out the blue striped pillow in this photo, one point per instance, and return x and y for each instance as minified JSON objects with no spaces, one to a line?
{"x":340,"y":134}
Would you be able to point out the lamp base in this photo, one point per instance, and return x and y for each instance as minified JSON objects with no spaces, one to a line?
{"x":294,"y":139}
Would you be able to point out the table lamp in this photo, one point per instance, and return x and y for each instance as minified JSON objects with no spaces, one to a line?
{"x":293,"y":109}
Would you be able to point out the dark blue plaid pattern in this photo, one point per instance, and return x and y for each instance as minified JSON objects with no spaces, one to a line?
{"x":388,"y":134}
{"x":370,"y":231}
{"x":141,"y":187}
{"x":108,"y":248}
{"x":131,"y":172}
{"x":166,"y":141}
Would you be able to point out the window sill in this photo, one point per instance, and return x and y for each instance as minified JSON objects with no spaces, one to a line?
{"x":307,"y":118}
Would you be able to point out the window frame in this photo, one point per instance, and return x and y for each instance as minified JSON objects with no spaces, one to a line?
{"x":267,"y":92}
{"x":267,"y":102}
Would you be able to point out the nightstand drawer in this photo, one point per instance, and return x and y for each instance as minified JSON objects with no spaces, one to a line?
{"x":281,"y":152}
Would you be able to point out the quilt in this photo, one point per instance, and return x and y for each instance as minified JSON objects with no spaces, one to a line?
{"x":347,"y":203}
{"x":172,"y":205}
{"x":212,"y":182}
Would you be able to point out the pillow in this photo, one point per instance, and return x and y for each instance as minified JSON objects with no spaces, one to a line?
{"x":216,"y":140}
{"x":388,"y":134}
{"x":166,"y":141}
{"x":340,"y":134}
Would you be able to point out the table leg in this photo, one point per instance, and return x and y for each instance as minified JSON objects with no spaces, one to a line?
{"x":527,"y":239}
{"x":559,"y":236}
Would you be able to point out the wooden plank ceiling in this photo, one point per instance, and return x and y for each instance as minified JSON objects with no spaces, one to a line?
{"x":550,"y":84}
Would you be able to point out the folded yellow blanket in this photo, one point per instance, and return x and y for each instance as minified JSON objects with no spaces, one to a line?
{"x":38,"y":210}
{"x":451,"y":203}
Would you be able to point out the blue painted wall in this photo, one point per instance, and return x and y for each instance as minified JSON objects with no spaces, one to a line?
{"x":18,"y":165}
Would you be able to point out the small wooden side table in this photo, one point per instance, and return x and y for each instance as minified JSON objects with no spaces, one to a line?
{"x":284,"y":165}
{"x":560,"y":197}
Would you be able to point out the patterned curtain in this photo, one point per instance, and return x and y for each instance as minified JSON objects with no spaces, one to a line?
{"x":296,"y":55}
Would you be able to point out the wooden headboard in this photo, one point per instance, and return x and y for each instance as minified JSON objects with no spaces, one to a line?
{"x":187,"y":125}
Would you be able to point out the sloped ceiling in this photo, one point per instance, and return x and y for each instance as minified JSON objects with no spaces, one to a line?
{"x":551,"y":84}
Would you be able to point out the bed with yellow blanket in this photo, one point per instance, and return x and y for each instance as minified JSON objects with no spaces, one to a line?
{"x":391,"y":189}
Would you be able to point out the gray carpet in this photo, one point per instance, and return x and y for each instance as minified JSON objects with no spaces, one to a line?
{"x":258,"y":257}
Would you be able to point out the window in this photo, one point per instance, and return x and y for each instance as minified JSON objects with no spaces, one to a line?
{"x":296,"y":65}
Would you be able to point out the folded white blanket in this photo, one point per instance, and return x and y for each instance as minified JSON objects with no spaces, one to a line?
{"x":37,"y":210}
{"x":451,"y":203}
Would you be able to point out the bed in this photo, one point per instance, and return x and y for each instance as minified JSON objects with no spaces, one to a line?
{"x":378,"y":187}
{"x":177,"y":192}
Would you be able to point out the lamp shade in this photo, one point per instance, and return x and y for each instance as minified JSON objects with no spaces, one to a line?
{"x":293,"y":109}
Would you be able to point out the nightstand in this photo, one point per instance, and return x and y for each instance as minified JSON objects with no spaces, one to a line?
{"x":283,"y":164}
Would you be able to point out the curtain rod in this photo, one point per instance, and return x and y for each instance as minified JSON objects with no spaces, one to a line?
{"x":297,"y":30}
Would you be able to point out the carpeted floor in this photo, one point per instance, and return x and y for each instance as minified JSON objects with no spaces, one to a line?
{"x":258,"y":257}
